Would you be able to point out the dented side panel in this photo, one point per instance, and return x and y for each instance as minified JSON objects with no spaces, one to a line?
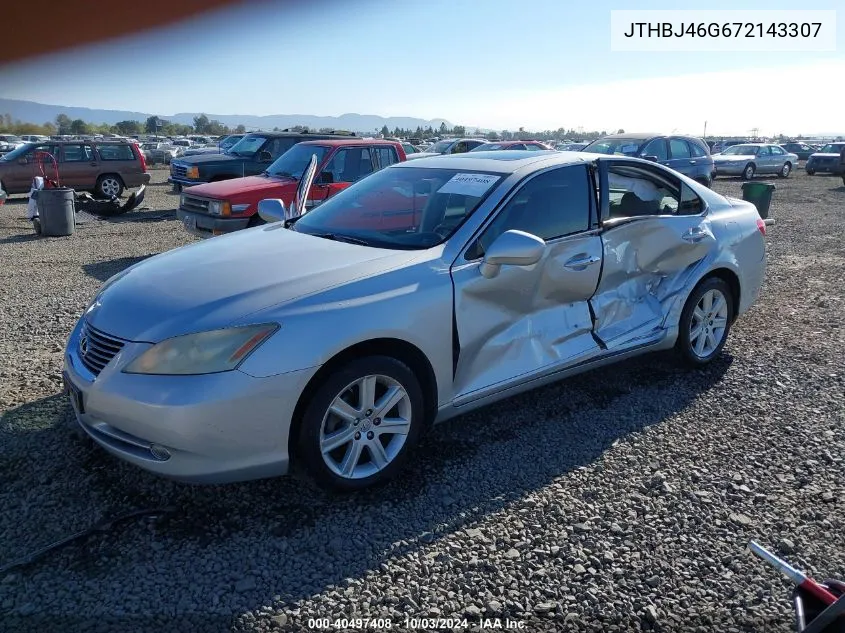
{"x":527,"y":320}
{"x":647,"y":263}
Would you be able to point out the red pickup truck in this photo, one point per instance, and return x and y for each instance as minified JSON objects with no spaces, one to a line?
{"x":221,"y":207}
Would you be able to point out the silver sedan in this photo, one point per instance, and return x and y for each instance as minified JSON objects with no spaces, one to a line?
{"x":750,"y":159}
{"x":335,"y":338}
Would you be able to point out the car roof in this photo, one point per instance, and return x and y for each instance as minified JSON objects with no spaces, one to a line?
{"x":351,"y":141}
{"x":316,"y":135}
{"x":642,"y":135}
{"x":502,"y":161}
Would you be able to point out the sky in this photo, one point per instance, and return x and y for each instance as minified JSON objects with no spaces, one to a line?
{"x":500,"y":64}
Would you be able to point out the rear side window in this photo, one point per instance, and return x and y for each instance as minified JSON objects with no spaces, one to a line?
{"x":114,"y":152}
{"x":776,"y":150}
{"x":678,"y":148}
{"x":697,"y":150}
{"x":386,"y":156}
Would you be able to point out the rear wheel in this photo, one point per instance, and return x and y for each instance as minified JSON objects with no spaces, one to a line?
{"x":109,"y":186}
{"x":705,"y":322}
{"x":361,"y":424}
{"x":748,"y":172}
{"x":785,"y":170}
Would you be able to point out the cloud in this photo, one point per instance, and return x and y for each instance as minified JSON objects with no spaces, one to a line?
{"x":791,"y":99}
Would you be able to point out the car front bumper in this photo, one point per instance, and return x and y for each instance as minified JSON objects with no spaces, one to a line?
{"x":215,"y":428}
{"x":209,"y":225}
{"x":184,"y":182}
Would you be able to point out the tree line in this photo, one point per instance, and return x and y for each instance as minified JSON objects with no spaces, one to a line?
{"x":64,"y":125}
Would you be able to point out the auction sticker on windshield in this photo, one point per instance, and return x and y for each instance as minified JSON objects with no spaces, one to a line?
{"x":469,"y":184}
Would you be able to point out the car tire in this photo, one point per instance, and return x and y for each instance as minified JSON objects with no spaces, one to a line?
{"x":785,"y":170}
{"x":177,"y":188}
{"x":707,"y":182}
{"x":810,"y":172}
{"x":709,"y":310}
{"x":109,"y":185}
{"x":255,"y":220}
{"x":331,"y":465}
{"x":748,"y":172}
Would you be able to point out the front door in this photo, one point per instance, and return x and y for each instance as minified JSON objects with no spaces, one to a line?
{"x":529,"y":320}
{"x":655,"y":235}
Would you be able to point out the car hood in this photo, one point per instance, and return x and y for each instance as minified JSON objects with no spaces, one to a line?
{"x":211,"y":284}
{"x":727,"y":158}
{"x":224,"y":189}
{"x":423,"y":155}
{"x":201,"y":159}
{"x":825,"y":155}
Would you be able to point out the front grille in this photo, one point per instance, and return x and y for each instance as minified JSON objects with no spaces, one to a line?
{"x":96,"y":348}
{"x":179,"y":171}
{"x":192,"y":203}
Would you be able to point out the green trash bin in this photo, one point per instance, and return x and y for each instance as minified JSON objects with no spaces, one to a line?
{"x":760,"y":195}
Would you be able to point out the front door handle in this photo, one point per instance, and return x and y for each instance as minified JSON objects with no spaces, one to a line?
{"x":695,"y":234}
{"x":692,"y":162}
{"x":580,"y":262}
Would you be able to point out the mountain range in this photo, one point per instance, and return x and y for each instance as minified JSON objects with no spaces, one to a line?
{"x":32,"y":112}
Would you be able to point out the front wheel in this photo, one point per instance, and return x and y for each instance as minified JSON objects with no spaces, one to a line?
{"x":361,"y":424}
{"x":785,"y":170}
{"x":810,"y":172}
{"x":705,"y":322}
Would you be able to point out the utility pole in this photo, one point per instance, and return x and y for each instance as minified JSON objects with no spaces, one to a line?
{"x":705,"y":130}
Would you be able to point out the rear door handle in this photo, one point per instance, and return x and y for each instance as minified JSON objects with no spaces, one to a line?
{"x":695,"y":234}
{"x":580,"y":262}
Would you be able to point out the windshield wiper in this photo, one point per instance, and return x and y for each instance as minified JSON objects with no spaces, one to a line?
{"x":341,"y":238}
{"x":280,"y":174}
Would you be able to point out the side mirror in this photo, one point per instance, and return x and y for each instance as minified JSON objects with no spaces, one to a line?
{"x":265,"y":157}
{"x":651,"y":158}
{"x":513,"y":248}
{"x":272,"y":210}
{"x":325,"y":178}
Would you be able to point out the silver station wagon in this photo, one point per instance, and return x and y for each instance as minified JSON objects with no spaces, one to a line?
{"x":334,"y":339}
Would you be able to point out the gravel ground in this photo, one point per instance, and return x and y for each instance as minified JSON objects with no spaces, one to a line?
{"x":619,"y":500}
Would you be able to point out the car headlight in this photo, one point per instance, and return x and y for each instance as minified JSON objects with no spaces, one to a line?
{"x":219,"y":207}
{"x":192,"y":172}
{"x":207,"y":352}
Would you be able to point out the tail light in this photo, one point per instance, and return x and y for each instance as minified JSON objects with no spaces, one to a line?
{"x":142,"y":157}
{"x":761,"y":225}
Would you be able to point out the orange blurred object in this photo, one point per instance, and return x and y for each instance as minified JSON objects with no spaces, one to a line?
{"x":70,"y":24}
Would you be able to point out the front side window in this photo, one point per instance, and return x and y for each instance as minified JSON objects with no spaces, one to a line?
{"x":350,"y":164}
{"x":460,"y":148}
{"x":401,"y":207}
{"x":551,"y":205}
{"x":697,"y":150}
{"x":616,"y":146}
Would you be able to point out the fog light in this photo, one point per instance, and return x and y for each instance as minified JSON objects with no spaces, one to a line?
{"x":160,"y":453}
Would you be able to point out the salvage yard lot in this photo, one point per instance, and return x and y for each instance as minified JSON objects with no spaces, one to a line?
{"x":618,"y":500}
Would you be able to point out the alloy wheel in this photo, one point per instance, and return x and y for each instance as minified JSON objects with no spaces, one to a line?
{"x":110,"y":186}
{"x":365,"y":427}
{"x":709,"y":323}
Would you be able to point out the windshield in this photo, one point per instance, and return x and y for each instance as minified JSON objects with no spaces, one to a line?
{"x":830,"y":148}
{"x":248,"y":145}
{"x":487,"y":147}
{"x":17,"y":152}
{"x":744,"y":150}
{"x":616,"y":146}
{"x":440,"y":146}
{"x":229,"y":142}
{"x":293,"y":162}
{"x":401,"y":207}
